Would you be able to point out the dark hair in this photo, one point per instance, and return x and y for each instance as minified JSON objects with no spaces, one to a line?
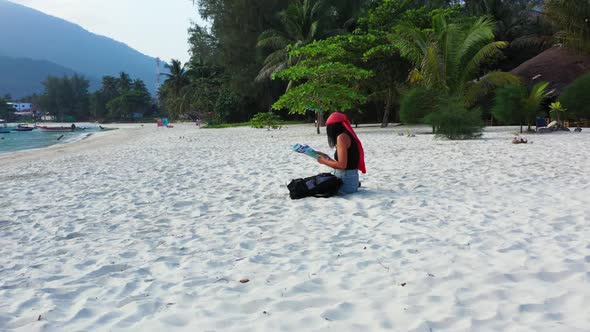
{"x":334,"y":130}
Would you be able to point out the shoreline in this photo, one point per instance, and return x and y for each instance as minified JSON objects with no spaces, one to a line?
{"x":124,"y":128}
{"x":85,"y":140}
{"x":77,"y":138}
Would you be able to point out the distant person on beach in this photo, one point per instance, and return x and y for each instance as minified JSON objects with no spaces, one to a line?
{"x":349,"y":157}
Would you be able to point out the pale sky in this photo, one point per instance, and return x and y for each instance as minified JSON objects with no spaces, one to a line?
{"x":157,"y":28}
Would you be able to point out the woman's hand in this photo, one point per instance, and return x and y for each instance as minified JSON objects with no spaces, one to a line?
{"x":323,"y":155}
{"x":322,"y":160}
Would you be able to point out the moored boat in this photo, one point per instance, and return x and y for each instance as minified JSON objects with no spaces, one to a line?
{"x":57,"y":129}
{"x":22,"y":127}
{"x":4,"y":128}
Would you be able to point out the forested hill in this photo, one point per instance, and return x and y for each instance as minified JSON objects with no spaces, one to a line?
{"x":28,"y":33}
{"x":22,"y":77}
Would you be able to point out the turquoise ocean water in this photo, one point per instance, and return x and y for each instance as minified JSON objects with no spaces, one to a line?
{"x":18,"y":141}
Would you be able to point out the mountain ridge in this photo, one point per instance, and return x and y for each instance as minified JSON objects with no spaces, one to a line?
{"x":29,"y":33}
{"x":24,"y":76}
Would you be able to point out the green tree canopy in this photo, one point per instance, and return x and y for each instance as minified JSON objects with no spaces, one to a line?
{"x":66,"y":96}
{"x":5,"y":109}
{"x":572,"y":19}
{"x":322,"y":81}
{"x":302,"y":22}
{"x":119,"y":98}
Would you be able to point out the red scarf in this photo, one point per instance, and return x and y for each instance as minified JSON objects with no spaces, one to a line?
{"x":338,"y":117}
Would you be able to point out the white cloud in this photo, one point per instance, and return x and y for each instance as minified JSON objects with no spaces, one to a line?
{"x":155,"y":27}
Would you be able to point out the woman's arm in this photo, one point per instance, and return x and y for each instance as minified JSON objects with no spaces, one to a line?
{"x":342,"y":145}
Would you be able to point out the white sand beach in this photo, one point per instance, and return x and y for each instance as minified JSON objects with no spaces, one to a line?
{"x":146,"y":229}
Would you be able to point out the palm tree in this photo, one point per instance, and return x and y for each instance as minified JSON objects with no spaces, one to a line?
{"x":172,"y":89}
{"x":573,"y":19}
{"x":533,"y":101}
{"x":302,"y":22}
{"x":177,"y":78}
{"x":447,"y":59}
{"x":348,"y":12}
{"x":557,"y":110}
{"x":124,"y":82}
{"x":513,"y":103}
{"x":511,"y":17}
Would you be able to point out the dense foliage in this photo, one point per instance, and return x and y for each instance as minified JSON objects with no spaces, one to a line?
{"x":447,"y":60}
{"x":266,"y":120}
{"x":514,"y":104}
{"x":508,"y":104}
{"x":5,"y":109}
{"x":380,"y":60}
{"x":121,"y":99}
{"x":416,"y":61}
{"x":440,"y":62}
{"x":576,"y":98}
{"x":572,"y":19}
{"x":323,"y":82}
{"x":454,"y":121}
{"x":417,"y":104}
{"x":118,"y":99}
{"x":65,"y":97}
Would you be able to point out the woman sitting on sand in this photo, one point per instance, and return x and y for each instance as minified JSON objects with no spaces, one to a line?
{"x":349,"y":157}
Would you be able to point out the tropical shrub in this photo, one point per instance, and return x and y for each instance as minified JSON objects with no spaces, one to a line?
{"x":532,"y":103}
{"x":447,"y":60}
{"x":416,"y":105}
{"x":513,"y":104}
{"x":557,"y":111}
{"x":577,"y":99}
{"x":266,"y":120}
{"x":448,"y":57}
{"x":508,"y":104}
{"x":224,"y":105}
{"x":454,"y":121}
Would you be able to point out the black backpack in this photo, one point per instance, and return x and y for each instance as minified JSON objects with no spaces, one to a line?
{"x":321,"y":185}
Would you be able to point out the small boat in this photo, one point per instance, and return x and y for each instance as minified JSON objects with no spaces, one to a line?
{"x":4,"y":128}
{"x":55,"y":129}
{"x":22,"y":127}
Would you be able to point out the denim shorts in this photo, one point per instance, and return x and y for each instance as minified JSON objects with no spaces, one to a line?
{"x":350,"y":180}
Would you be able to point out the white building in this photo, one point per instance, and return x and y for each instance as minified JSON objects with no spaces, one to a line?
{"x":21,"y":107}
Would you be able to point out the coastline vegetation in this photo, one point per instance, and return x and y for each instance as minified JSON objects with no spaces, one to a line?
{"x":5,"y":109}
{"x":445,"y":63}
{"x":253,"y":123}
{"x":119,"y":99}
{"x":435,"y":62}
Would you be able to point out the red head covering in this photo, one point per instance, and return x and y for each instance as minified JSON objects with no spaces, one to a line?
{"x":338,"y":117}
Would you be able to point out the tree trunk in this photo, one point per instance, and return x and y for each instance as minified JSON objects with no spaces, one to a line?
{"x":318,"y":121}
{"x":387,"y":109}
